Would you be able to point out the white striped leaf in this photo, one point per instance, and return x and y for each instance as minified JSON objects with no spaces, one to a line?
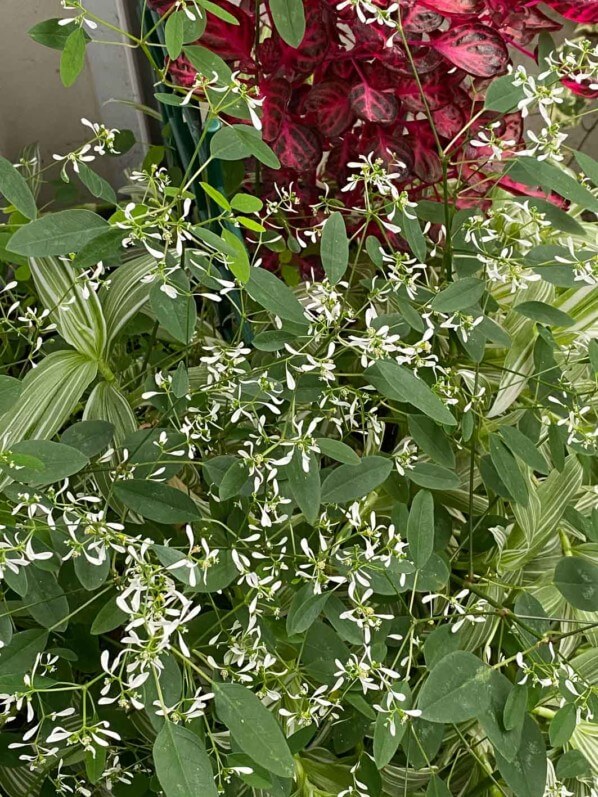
{"x":50,"y":394}
{"x":126,"y":294}
{"x":73,"y":305}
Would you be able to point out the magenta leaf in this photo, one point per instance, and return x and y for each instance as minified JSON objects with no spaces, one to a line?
{"x":329,"y":103}
{"x":581,"y":11}
{"x":298,"y":147}
{"x":373,"y":105}
{"x":477,"y":49}
{"x":454,"y":6}
{"x":231,"y":42}
{"x":277,"y":93}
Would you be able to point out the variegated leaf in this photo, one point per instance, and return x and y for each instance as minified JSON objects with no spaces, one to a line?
{"x":73,"y":304}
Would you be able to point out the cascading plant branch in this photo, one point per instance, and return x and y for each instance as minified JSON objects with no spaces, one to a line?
{"x":335,"y":537}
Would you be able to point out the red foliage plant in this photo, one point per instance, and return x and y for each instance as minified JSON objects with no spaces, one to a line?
{"x":352,"y":88}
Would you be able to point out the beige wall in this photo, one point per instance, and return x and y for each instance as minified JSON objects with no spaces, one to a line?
{"x":34,"y":105}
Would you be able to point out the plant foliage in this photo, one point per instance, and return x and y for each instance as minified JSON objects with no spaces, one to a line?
{"x":298,"y":455}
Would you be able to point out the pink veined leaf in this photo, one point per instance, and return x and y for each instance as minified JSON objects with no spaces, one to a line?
{"x":454,"y":6}
{"x":329,"y":103}
{"x":372,"y":105}
{"x":315,"y":43}
{"x":421,"y":20}
{"x":427,"y":164}
{"x":437,"y":95}
{"x":584,"y":12}
{"x":523,"y":26}
{"x":426,"y":60}
{"x":378,"y":76}
{"x":582,"y":89}
{"x":509,"y":130}
{"x":477,"y":49}
{"x":448,"y":121}
{"x":277,"y":93}
{"x":182,"y":72}
{"x":231,"y":42}
{"x":524,"y":190}
{"x":161,"y":6}
{"x":297,"y":147}
{"x":388,"y":144}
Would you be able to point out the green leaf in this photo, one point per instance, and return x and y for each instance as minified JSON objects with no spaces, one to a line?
{"x":45,"y":600}
{"x":14,"y":187}
{"x":420,"y":529}
{"x":89,"y":437}
{"x":439,"y":643}
{"x":412,"y":232}
{"x":245,"y":203}
{"x":515,"y":707}
{"x":214,"y":194}
{"x":588,"y":165}
{"x":234,"y":480}
{"x":350,"y":482}
{"x":174,"y":33}
{"x":108,"y":618}
{"x":91,"y":576}
{"x":6,"y":630}
{"x":338,"y":451}
{"x":437,"y":788}
{"x":156,"y":501}
{"x":238,"y":263}
{"x":502,"y":95}
{"x":305,"y":608}
{"x":95,"y":184}
{"x":508,"y":470}
{"x":274,"y":296}
{"x":51,"y":33}
{"x":72,"y":60}
{"x":57,"y":233}
{"x":456,"y":690}
{"x":544,"y":314}
{"x":10,"y":392}
{"x":219,"y":575}
{"x":334,"y":246}
{"x":526,"y":774}
{"x":54,"y":462}
{"x":253,"y":728}
{"x":95,"y":763}
{"x":385,"y":743}
{"x":577,"y":581}
{"x":431,"y":439}
{"x":178,"y":314}
{"x":19,"y":656}
{"x":322,"y":647}
{"x":572,"y":764}
{"x":558,"y":217}
{"x":531,"y":171}
{"x":505,"y":741}
{"x":459,"y":295}
{"x":289,"y":20}
{"x":182,"y":764}
{"x":219,"y":12}
{"x":524,"y":448}
{"x":400,"y":384}
{"x":305,"y":487}
{"x":164,"y":685}
{"x":433,"y":477}
{"x":562,"y":725}
{"x":237,"y":142}
{"x":105,"y":246}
